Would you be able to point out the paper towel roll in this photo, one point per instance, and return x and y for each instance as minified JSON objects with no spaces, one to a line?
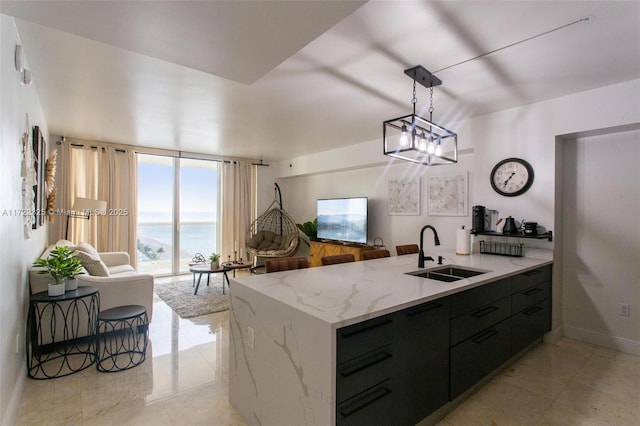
{"x":463,"y":241}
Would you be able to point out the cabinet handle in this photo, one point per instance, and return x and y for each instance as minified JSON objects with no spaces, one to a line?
{"x":534,"y":272}
{"x":484,"y":311}
{"x":484,"y":336}
{"x":423,"y":309}
{"x":347,"y":334}
{"x":368,"y":400}
{"x":532,"y":291}
{"x":532,"y":311}
{"x":366,"y":363}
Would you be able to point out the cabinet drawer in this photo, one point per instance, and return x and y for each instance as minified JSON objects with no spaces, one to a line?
{"x":474,"y":358}
{"x":527,"y":279}
{"x":363,"y":337}
{"x":485,"y":316}
{"x":530,"y":296}
{"x":372,"y":407}
{"x":530,"y":325}
{"x":363,"y":372}
{"x":470,"y":300}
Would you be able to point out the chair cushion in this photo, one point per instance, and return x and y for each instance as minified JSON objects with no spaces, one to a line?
{"x":92,"y":264}
{"x":120,"y":269}
{"x":88,"y":248}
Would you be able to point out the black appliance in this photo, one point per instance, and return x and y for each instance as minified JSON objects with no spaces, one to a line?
{"x":478,"y":219}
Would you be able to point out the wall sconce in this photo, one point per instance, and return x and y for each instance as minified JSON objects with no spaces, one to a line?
{"x":416,"y":139}
{"x":83,"y":208}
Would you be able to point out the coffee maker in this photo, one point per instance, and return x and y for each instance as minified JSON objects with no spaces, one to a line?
{"x":478,"y":220}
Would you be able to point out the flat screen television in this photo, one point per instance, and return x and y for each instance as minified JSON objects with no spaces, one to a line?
{"x":343,"y":219}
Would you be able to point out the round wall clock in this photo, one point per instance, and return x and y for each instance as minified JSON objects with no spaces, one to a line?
{"x":512,"y":177}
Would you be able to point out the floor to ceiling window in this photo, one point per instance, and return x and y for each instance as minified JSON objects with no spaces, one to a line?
{"x":177,"y":212}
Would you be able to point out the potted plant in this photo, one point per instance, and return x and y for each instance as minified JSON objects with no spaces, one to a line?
{"x":310,"y":229}
{"x":61,"y":264}
{"x":215,"y":261}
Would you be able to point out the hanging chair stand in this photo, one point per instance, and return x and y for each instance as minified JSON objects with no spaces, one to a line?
{"x":274,"y":233}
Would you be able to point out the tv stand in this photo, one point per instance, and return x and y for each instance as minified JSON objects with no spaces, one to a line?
{"x":319,"y":249}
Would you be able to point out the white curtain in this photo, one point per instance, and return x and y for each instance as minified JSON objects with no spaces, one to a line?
{"x":238,"y":207}
{"x":101,"y":173}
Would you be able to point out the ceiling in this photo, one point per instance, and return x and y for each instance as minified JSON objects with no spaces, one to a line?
{"x":274,"y":80}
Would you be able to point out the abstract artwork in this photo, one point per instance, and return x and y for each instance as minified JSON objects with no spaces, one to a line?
{"x":448,"y":195}
{"x":404,"y":197}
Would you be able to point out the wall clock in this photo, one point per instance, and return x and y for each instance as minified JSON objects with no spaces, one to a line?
{"x":512,"y":177}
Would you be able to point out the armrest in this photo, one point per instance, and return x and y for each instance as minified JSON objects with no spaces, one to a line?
{"x":115,"y":258}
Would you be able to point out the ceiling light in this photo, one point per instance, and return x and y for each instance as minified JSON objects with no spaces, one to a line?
{"x":416,"y":139}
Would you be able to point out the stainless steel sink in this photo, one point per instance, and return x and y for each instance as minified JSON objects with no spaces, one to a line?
{"x":448,"y":273}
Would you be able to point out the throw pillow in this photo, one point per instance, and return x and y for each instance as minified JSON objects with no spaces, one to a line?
{"x":93,"y":264}
{"x":88,"y":248}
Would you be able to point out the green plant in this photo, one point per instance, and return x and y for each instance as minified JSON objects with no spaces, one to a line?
{"x":60,"y":264}
{"x":310,"y":229}
{"x":214,"y":257}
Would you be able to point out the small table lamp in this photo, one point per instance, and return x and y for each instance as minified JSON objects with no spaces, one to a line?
{"x":84,"y":208}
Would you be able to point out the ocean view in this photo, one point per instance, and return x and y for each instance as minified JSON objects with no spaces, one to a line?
{"x":198,"y":237}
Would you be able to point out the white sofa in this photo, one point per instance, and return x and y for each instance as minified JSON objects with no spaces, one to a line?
{"x":123,"y":286}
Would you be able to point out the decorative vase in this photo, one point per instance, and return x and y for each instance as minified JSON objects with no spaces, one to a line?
{"x":56,"y":289}
{"x":70,"y":284}
{"x":215,"y":264}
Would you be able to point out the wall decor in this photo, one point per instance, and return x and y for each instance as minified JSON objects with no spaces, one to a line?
{"x":448,"y":194}
{"x":40,"y":195}
{"x":404,"y":197}
{"x":28,"y":175}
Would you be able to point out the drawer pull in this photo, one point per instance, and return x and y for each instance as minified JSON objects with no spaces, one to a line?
{"x":366,"y":401}
{"x":347,"y":334}
{"x":532,"y":311}
{"x":366,"y":363}
{"x":427,"y":308}
{"x":484,"y":311}
{"x":484,"y":336}
{"x":534,"y":272}
{"x":532,"y":291}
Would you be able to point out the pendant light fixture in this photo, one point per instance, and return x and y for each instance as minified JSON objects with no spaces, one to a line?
{"x":416,"y":139}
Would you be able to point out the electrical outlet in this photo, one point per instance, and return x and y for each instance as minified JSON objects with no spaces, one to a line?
{"x":251,"y":338}
{"x":624,"y":309}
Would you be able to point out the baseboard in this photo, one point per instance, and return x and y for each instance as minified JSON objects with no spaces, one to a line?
{"x":9,"y":416}
{"x":611,"y":342}
{"x":554,"y":335}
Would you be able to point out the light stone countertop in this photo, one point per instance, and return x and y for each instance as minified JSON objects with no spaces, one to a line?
{"x":345,"y":294}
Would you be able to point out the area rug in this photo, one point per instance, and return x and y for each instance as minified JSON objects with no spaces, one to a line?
{"x":180,"y":298}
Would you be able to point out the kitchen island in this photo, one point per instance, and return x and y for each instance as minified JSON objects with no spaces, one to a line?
{"x":283,"y":344}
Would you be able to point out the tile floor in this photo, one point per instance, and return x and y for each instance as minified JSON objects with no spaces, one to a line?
{"x":185,"y":377}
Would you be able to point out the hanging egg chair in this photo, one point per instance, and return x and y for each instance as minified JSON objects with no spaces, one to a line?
{"x":274,"y":233}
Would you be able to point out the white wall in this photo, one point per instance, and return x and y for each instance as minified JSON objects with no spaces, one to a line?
{"x":601,"y":238}
{"x":16,"y":252}
{"x":529,"y":132}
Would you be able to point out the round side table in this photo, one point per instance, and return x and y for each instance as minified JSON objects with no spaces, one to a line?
{"x":61,"y":332}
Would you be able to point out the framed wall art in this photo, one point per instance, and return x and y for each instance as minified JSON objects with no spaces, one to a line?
{"x":448,"y":194}
{"x":40,"y":192}
{"x":404,"y":197}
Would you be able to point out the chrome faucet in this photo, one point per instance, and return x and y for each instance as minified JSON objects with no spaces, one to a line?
{"x":421,"y":257}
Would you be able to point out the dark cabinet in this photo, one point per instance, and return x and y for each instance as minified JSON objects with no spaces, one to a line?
{"x":364,"y":371}
{"x":399,"y":368}
{"x":393,"y":370}
{"x":531,"y":305}
{"x":480,"y":334}
{"x":421,"y":345}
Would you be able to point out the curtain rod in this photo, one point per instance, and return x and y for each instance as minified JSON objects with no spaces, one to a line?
{"x":160,"y":151}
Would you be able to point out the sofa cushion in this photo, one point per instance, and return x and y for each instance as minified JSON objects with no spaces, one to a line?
{"x":121,"y":269}
{"x":92,"y":264}
{"x":88,"y":248}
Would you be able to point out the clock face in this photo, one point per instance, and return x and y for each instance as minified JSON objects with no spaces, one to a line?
{"x":512,"y":177}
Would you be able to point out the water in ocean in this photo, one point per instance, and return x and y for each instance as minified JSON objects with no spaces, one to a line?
{"x":194,"y":238}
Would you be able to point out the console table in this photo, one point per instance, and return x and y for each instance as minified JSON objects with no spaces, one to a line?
{"x":61,"y":332}
{"x":319,"y":249}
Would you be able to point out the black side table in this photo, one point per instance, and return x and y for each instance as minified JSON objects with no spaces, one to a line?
{"x":61,"y":332}
{"x":123,"y":333}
